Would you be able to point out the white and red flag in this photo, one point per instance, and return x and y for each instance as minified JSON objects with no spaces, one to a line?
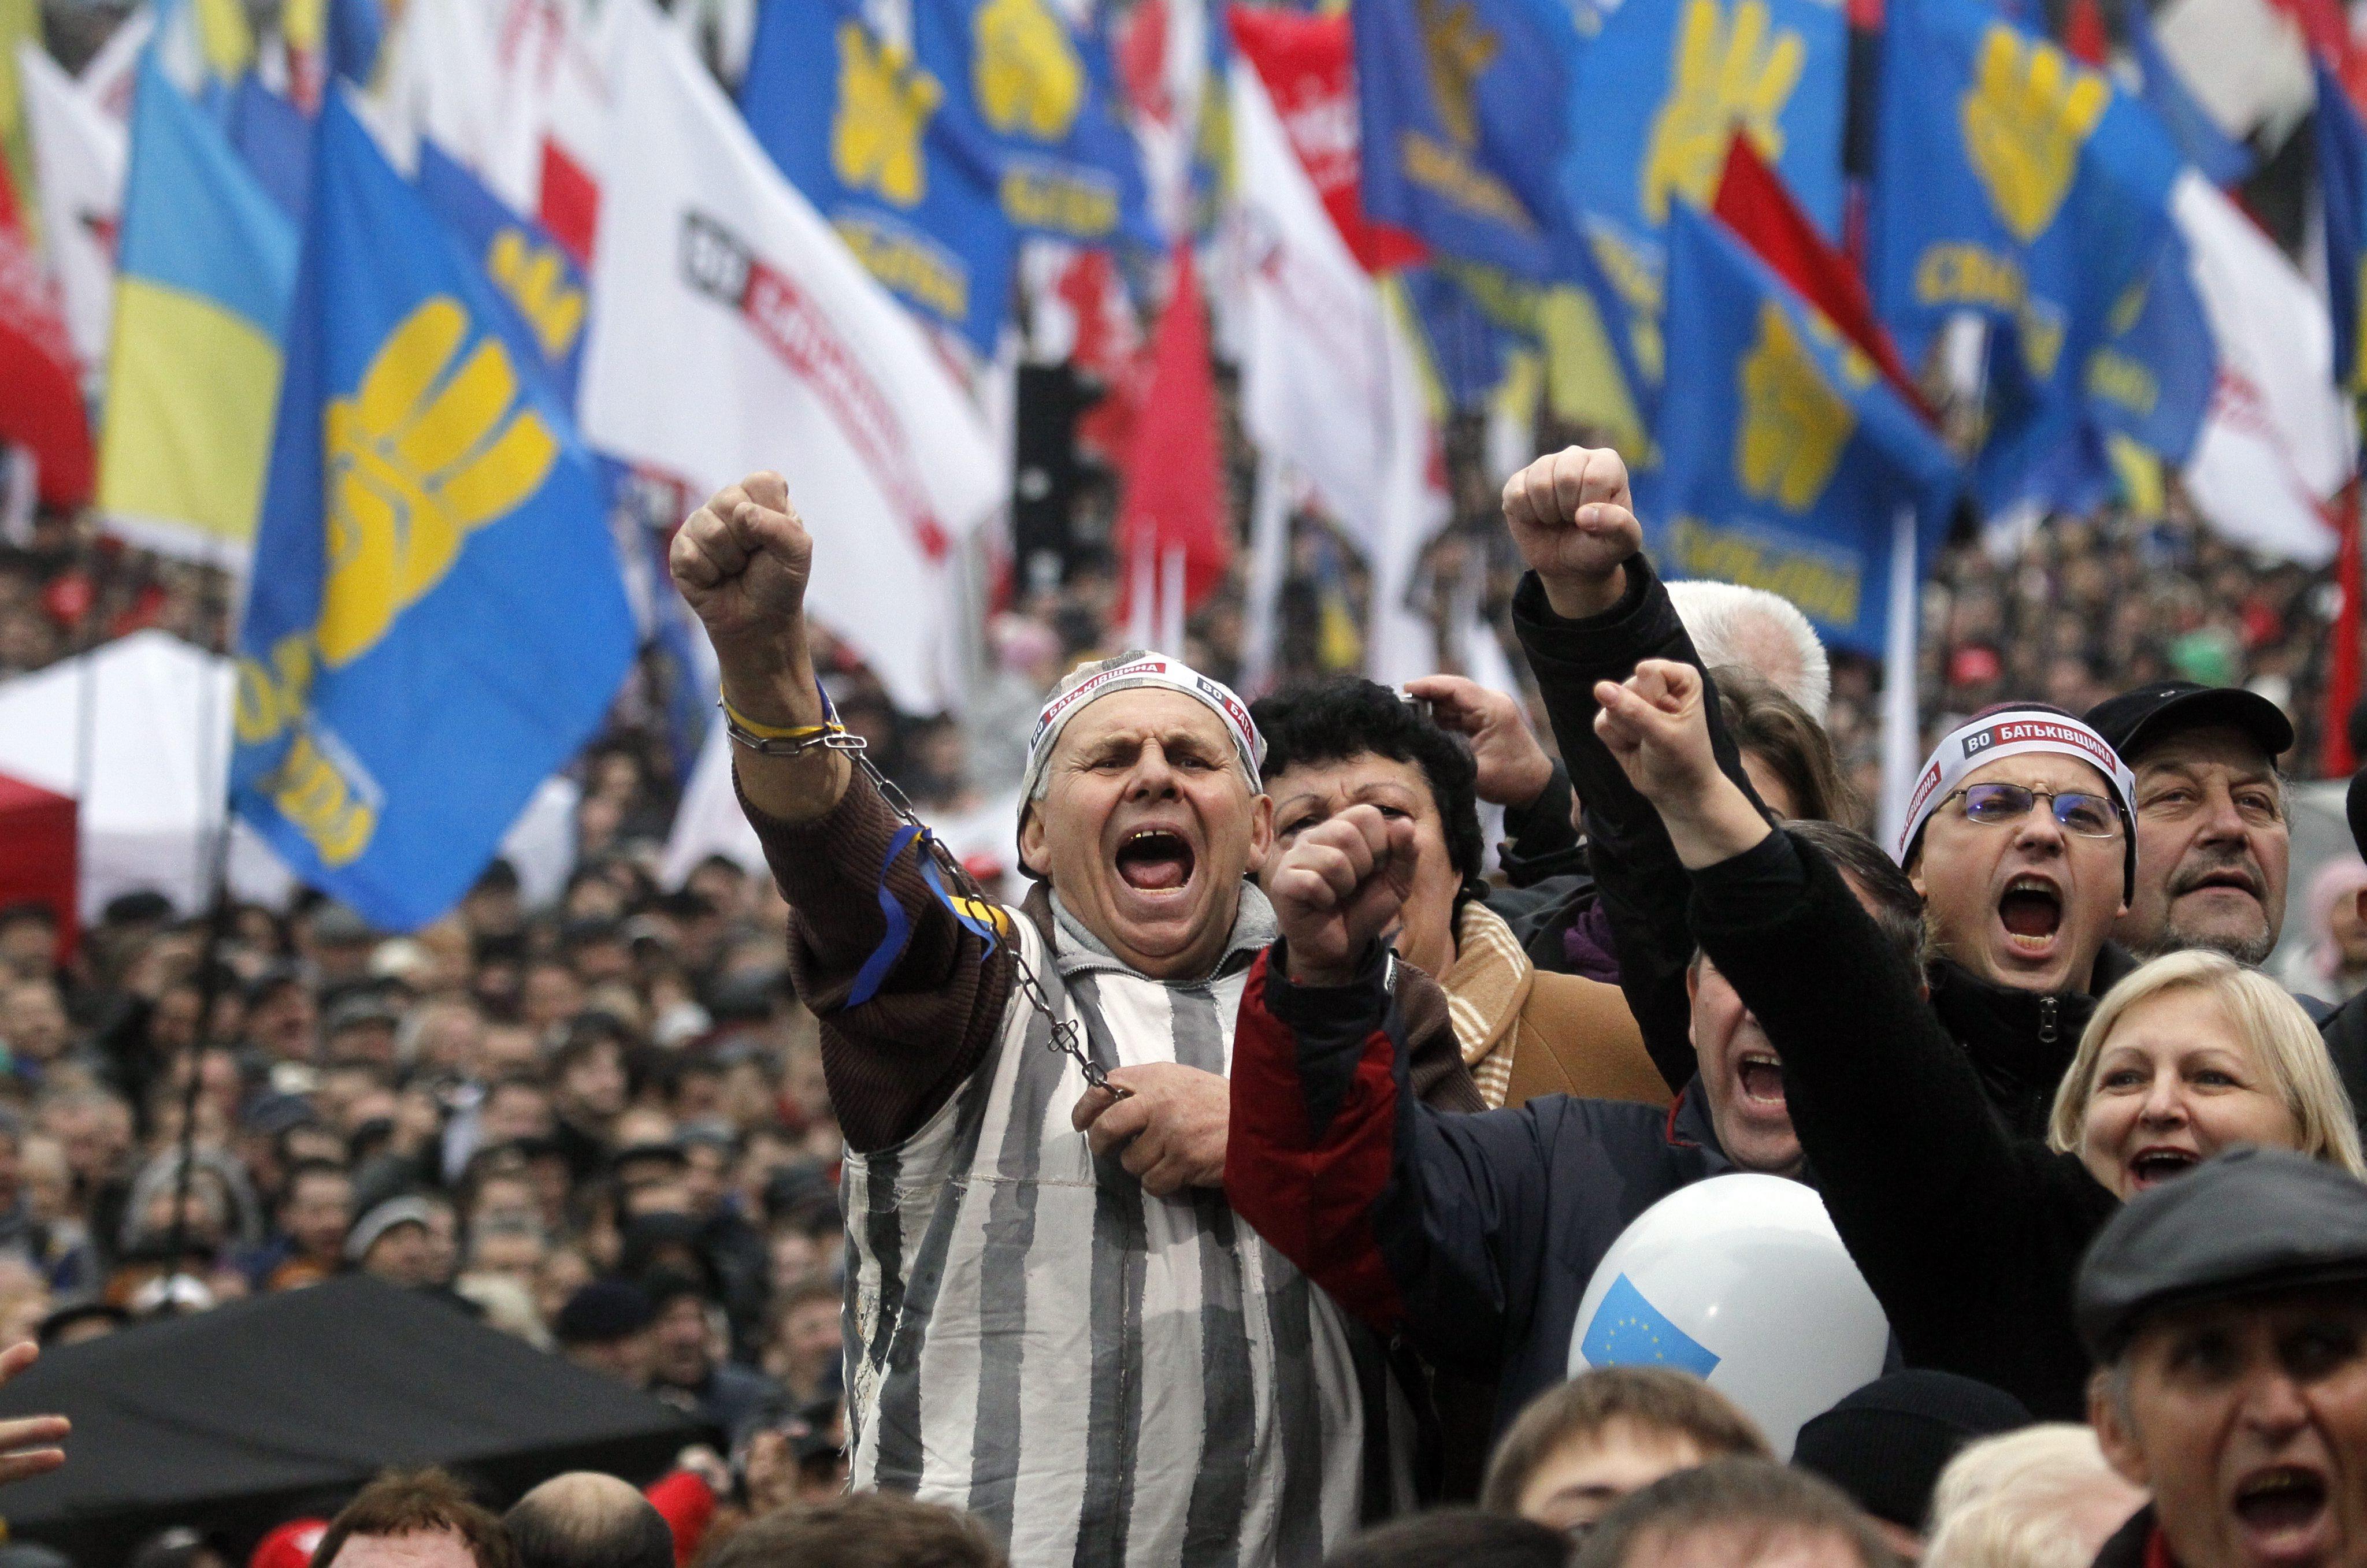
{"x":732,"y":330}
{"x":78,"y":155}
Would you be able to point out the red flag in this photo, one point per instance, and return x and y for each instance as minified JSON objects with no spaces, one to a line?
{"x":2343,"y":664}
{"x":41,"y":386}
{"x":1308,"y":65}
{"x":1175,"y":477}
{"x":2084,"y":35}
{"x":1753,"y":202}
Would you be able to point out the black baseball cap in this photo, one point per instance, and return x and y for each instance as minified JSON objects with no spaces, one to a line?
{"x":2251,"y":1222}
{"x":2134,"y":718}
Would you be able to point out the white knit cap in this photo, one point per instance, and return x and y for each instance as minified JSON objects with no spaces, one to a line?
{"x":1089,"y":682}
{"x":2013,"y":731}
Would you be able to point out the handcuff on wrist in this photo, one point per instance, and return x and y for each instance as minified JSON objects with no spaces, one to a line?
{"x":774,"y":740}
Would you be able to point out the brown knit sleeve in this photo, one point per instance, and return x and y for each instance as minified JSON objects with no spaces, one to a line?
{"x":1434,"y":1069}
{"x":892,"y":1062}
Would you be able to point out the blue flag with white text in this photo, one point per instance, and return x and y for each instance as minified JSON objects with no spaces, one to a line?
{"x":860,"y":128}
{"x":1785,"y":455}
{"x":436,"y":619}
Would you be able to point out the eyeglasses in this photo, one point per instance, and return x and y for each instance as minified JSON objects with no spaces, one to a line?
{"x":2000,"y":805}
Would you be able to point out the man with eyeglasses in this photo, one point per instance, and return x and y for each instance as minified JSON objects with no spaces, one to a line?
{"x":2020,"y":836}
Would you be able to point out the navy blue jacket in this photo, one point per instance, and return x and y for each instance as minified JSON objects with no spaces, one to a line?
{"x":1475,"y":1236}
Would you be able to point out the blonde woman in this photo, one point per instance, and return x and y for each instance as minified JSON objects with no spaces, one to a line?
{"x":2042,"y":1497}
{"x":1968,"y":1233}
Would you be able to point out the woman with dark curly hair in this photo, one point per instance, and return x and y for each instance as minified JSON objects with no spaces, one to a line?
{"x":1523,"y":1030}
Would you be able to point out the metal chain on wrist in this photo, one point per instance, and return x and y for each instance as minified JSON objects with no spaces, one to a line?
{"x":1064,"y":1039}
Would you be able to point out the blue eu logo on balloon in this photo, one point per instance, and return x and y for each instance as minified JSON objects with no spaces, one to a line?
{"x":1628,"y":1331}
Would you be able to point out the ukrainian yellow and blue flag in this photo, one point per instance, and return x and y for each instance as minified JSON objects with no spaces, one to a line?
{"x":1785,"y":454}
{"x":203,"y":271}
{"x":436,"y":618}
{"x":1034,"y":98}
{"x":858,"y":127}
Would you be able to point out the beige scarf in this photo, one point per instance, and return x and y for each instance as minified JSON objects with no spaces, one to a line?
{"x":1486,"y":987}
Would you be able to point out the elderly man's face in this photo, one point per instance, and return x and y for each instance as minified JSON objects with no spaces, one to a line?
{"x":2247,"y":1421}
{"x":2213,"y":848}
{"x":1147,"y":827}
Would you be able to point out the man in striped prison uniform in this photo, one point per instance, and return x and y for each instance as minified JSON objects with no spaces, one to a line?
{"x":1053,"y":1318}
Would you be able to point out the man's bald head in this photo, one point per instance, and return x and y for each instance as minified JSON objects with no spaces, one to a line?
{"x":585,"y":1519}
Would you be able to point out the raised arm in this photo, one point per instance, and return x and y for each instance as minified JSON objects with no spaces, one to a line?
{"x":1942,"y":1209}
{"x":1400,"y":1212}
{"x":931,"y":1007}
{"x":1589,"y":609}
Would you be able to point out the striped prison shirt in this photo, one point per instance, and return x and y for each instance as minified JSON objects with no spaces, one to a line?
{"x":1102,"y":1377}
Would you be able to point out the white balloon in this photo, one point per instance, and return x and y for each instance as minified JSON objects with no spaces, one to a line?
{"x":1742,"y":1280}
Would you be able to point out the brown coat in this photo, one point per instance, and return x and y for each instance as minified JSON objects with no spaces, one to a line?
{"x":1526,"y":1032}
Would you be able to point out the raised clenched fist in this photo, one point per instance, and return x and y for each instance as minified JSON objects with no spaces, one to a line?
{"x":1340,"y":885}
{"x":741,"y":561}
{"x":1574,"y":519}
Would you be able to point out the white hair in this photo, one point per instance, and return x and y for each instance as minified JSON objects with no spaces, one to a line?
{"x":2015,"y":1501}
{"x":1755,"y":628}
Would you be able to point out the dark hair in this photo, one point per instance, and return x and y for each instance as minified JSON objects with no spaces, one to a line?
{"x":620,"y":1529}
{"x":417,"y":1502}
{"x":870,"y":1529}
{"x":1753,"y":1494}
{"x":1651,"y":1397}
{"x":1778,"y":732}
{"x":25,"y":910}
{"x":1334,"y":720}
{"x":1465,"y":1537}
{"x":1896,"y":908}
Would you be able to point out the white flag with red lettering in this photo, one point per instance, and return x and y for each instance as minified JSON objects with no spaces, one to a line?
{"x":731,"y":331}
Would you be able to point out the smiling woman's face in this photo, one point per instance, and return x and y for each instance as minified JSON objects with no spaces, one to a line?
{"x":2176,"y":1083}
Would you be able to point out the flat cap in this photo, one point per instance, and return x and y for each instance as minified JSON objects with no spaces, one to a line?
{"x":2250,"y":1221}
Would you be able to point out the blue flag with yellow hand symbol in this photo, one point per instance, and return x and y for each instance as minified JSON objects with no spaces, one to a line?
{"x":436,"y":619}
{"x":1463,"y":105}
{"x":1785,"y":455}
{"x":2015,"y":183}
{"x":1036,"y":98}
{"x":1661,"y":94}
{"x":539,"y":286}
{"x":860,"y":128}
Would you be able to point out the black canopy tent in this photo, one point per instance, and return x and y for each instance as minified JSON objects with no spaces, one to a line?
{"x":227,"y":1419}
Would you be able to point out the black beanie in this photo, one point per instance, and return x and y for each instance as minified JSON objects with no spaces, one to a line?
{"x":1886,"y":1443}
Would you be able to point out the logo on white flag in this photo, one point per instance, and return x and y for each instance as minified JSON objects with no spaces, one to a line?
{"x":719,"y":265}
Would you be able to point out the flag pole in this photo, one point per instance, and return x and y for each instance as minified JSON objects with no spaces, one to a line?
{"x":1269,"y":553}
{"x":1171,"y":602}
{"x":1899,"y":734}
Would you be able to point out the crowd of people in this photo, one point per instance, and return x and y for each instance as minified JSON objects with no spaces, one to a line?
{"x":790,"y":1152}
